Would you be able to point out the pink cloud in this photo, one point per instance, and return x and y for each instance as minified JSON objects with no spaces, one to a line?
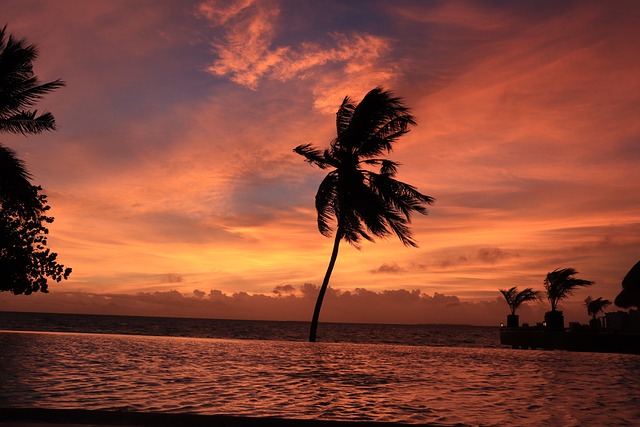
{"x":246,"y":54}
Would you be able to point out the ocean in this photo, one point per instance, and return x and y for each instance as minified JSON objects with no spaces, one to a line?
{"x":413,"y":374}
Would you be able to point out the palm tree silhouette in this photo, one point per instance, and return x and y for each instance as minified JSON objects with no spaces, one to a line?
{"x":25,"y":261}
{"x":595,"y":306}
{"x":363,"y":203}
{"x":515,"y":299}
{"x":560,"y":283}
{"x":20,"y":90}
{"x":15,"y":187}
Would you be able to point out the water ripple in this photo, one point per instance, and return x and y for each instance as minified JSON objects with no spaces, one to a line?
{"x":336,"y":381}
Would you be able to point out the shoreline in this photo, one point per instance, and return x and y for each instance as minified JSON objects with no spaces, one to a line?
{"x":40,"y":417}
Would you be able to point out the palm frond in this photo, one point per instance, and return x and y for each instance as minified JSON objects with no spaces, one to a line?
{"x":373,"y":146}
{"x":16,"y":57}
{"x":515,"y":298}
{"x":380,"y":217}
{"x":595,"y":306}
{"x":526,"y":295}
{"x":377,"y":110}
{"x":387,"y":167}
{"x":16,"y":189}
{"x":344,"y":115}
{"x":397,"y":126}
{"x":400,"y":228}
{"x":28,"y":122}
{"x":312,"y":155}
{"x":22,"y":95}
{"x":326,"y":203}
{"x":400,"y":196}
{"x":509,"y":294}
{"x":20,"y":89}
{"x":560,"y":284}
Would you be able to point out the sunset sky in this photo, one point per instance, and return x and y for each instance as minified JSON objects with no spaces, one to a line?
{"x":176,"y":192}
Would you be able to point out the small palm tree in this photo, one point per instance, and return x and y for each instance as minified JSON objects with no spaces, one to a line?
{"x":595,"y":306}
{"x":515,"y":299}
{"x":560,"y":283}
{"x":360,"y":202}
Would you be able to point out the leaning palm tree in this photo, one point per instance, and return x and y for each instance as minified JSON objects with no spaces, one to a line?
{"x":559,"y":284}
{"x":515,"y":299}
{"x":353,"y":201}
{"x":595,"y":306}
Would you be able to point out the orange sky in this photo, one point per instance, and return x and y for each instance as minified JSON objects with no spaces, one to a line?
{"x":173,"y":171}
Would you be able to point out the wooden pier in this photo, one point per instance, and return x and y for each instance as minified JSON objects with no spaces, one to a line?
{"x":571,"y":339}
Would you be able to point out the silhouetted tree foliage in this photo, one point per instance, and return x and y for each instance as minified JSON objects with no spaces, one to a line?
{"x":354,"y":200}
{"x":595,"y":306}
{"x":560,"y":283}
{"x":25,"y":261}
{"x":516,"y":298}
{"x":20,"y":89}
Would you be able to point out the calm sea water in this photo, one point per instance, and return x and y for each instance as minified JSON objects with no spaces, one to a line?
{"x":397,"y":378}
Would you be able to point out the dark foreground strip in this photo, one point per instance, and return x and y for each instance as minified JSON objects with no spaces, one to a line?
{"x":153,"y":419}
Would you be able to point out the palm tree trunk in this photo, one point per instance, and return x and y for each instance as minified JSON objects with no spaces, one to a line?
{"x":323,"y":288}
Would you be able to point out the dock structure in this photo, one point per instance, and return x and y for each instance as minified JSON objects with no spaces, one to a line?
{"x":617,"y":333}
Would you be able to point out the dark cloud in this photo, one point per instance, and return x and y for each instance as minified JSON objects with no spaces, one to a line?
{"x":451,"y":261}
{"x":493,"y":255}
{"x":172,"y":278}
{"x":391,"y":268}
{"x":284,"y":290}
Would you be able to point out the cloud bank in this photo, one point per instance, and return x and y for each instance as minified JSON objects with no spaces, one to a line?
{"x":287,"y":302}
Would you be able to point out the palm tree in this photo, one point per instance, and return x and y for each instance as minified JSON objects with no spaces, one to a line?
{"x":595,"y":306}
{"x":353,"y":199}
{"x":559,"y":284}
{"x":515,"y":299}
{"x":25,"y":261}
{"x":15,"y":187}
{"x":20,"y":89}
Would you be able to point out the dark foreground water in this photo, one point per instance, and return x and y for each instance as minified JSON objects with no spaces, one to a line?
{"x":401,"y":382}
